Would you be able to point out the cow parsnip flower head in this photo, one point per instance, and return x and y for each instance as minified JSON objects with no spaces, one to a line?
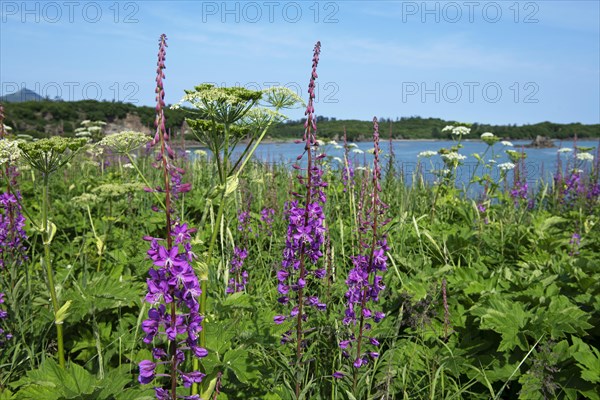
{"x":259,"y":117}
{"x":125,"y":142}
{"x":506,"y":166}
{"x":453,"y":156}
{"x":48,"y":155}
{"x":85,"y":200}
{"x":458,"y":130}
{"x":489,"y":138}
{"x":224,"y":104}
{"x":426,"y":154}
{"x":585,"y":157}
{"x":9,"y":151}
{"x":506,"y":143}
{"x":564,"y":150}
{"x":282,"y":97}
{"x":113,"y":190}
{"x":515,"y":156}
{"x":461,"y":130}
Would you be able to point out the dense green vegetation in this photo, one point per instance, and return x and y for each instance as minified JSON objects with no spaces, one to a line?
{"x":431,"y":128}
{"x":133,"y":269}
{"x":43,"y":118}
{"x":37,"y":117}
{"x":496,"y":302}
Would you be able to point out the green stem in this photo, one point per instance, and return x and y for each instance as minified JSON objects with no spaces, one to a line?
{"x":98,"y":239}
{"x":145,"y":181}
{"x":205,"y":273}
{"x":49,"y":274}
{"x":262,"y":135}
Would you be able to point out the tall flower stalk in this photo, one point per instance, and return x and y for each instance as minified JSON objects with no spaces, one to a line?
{"x":364,"y":280}
{"x":224,"y":113}
{"x":12,"y":221}
{"x":173,"y":288}
{"x":4,"y":336}
{"x":305,"y":235}
{"x":238,"y":277}
{"x":48,"y":156}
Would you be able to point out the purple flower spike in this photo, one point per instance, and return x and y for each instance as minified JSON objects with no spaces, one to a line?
{"x":306,"y":230}
{"x":239,"y":276}
{"x":173,"y":322}
{"x":364,"y":283}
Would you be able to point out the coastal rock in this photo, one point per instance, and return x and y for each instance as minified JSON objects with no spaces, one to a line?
{"x":541,"y":142}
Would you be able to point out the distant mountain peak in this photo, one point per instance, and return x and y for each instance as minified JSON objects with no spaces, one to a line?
{"x":21,"y":96}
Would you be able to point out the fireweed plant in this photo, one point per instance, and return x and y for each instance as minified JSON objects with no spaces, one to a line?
{"x":578,"y":183}
{"x":4,"y":336}
{"x":174,"y":321}
{"x":364,"y":280}
{"x":12,"y":222}
{"x":305,"y":237}
{"x":519,"y":190}
{"x":238,"y":276}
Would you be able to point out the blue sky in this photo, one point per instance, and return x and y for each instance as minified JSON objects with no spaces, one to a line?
{"x":499,"y":62}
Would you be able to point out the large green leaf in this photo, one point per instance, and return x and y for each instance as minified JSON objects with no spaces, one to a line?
{"x":506,"y":317}
{"x":238,"y":360}
{"x":588,"y":359}
{"x":564,"y":317}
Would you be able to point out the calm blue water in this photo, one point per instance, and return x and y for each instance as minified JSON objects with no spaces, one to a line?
{"x":540,"y":163}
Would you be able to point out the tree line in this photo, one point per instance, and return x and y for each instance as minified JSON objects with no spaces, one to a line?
{"x":44,"y":118}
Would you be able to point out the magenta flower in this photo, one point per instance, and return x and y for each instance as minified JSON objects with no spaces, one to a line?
{"x":239,"y":276}
{"x":364,"y":283}
{"x":173,"y":322}
{"x":305,"y":232}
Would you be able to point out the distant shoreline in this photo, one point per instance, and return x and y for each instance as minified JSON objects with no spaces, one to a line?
{"x":194,"y":144}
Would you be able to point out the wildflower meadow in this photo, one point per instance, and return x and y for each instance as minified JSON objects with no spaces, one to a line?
{"x":132,"y":267}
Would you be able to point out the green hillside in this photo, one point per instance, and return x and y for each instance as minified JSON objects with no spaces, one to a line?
{"x":43,"y":118}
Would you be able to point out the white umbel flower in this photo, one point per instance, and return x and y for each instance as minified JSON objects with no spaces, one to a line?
{"x":507,"y":166}
{"x":585,"y":157}
{"x":426,"y":154}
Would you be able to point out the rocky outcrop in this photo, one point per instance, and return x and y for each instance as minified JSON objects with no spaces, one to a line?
{"x":541,"y":142}
{"x":131,"y":122}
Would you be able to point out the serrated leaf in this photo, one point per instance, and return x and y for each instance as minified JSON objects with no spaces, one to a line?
{"x":565,"y":317}
{"x":218,"y":337}
{"x":238,"y":299}
{"x":507,"y":318}
{"x":588,"y":360}
{"x":81,"y":381}
{"x":237,"y":361}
